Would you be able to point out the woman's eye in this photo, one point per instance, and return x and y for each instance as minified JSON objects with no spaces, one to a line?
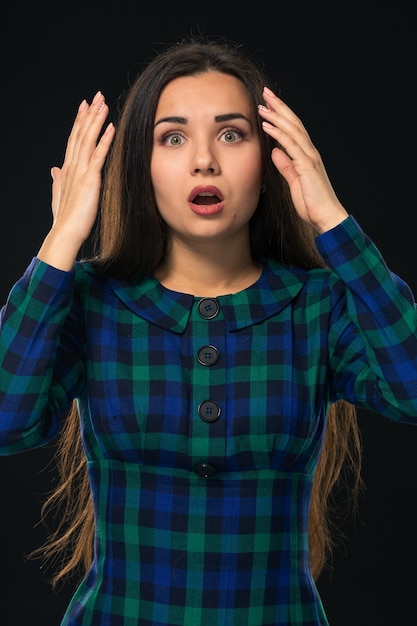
{"x":173,"y":139}
{"x":232,"y":135}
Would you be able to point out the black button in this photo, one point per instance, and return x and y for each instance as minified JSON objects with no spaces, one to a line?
{"x":208,"y":308}
{"x":209,"y":411}
{"x":208,"y":355}
{"x":205,"y":470}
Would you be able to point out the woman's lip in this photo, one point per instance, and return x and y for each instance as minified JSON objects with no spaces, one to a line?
{"x":206,"y":209}
{"x":201,"y":189}
{"x":209,"y":208}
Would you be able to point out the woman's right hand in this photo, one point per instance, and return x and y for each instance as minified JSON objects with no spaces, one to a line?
{"x":76,"y":185}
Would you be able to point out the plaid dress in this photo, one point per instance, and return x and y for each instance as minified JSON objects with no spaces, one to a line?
{"x":202,"y":421}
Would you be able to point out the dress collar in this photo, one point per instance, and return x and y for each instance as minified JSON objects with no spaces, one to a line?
{"x":272,"y":292}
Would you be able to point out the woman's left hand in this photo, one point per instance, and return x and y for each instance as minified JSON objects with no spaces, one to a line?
{"x":300,"y":163}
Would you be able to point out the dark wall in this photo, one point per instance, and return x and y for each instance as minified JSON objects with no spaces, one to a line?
{"x":348,"y":69}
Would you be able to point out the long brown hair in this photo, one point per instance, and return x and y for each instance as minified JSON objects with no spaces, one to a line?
{"x":131,"y":241}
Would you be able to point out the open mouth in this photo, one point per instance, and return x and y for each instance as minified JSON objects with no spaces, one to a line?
{"x":206,"y":199}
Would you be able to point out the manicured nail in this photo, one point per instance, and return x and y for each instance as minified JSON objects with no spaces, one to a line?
{"x":268,"y":91}
{"x":97,"y":97}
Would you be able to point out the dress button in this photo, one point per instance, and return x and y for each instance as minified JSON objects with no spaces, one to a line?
{"x":205,"y":470}
{"x":208,"y":308}
{"x":209,"y":411}
{"x":208,"y":355}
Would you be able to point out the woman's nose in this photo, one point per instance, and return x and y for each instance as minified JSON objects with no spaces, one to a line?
{"x":205,"y":161}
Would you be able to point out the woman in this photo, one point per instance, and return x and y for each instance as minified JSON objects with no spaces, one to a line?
{"x":214,"y":347}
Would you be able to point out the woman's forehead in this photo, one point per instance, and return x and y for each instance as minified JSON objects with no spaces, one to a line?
{"x":210,"y":90}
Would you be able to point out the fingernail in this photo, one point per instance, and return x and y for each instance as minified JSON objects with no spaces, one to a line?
{"x":268,"y":91}
{"x":97,"y":97}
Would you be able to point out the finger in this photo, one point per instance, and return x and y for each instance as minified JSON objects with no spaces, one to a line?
{"x":276,"y":112}
{"x":294,"y":147}
{"x":287,"y":132}
{"x":82,"y":110}
{"x":86,"y":129}
{"x":56,"y":190}
{"x":89,"y":130}
{"x":284,"y":165}
{"x":103,"y":146}
{"x":274,"y":103}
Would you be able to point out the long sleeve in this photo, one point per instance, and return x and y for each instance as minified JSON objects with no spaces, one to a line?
{"x":40,"y":361}
{"x":380,"y":314}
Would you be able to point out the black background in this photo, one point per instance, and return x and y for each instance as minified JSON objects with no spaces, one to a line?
{"x":349,"y":70}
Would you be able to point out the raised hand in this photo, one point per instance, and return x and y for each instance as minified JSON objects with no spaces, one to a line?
{"x":76,"y":185}
{"x":300,"y":163}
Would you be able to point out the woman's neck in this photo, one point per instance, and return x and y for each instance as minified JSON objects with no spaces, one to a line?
{"x":208,"y":269}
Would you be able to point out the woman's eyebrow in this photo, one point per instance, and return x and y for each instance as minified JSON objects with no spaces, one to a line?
{"x":173,"y":119}
{"x":225,"y":117}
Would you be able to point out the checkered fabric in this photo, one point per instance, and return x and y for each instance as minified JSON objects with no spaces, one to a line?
{"x":202,"y":421}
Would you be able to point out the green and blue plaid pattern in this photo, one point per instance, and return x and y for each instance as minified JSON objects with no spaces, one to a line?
{"x":202,"y":421}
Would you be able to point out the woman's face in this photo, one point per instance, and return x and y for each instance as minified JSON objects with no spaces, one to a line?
{"x":206,"y":164}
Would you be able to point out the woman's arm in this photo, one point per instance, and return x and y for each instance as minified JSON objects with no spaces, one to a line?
{"x":373,"y":327}
{"x":41,"y":357}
